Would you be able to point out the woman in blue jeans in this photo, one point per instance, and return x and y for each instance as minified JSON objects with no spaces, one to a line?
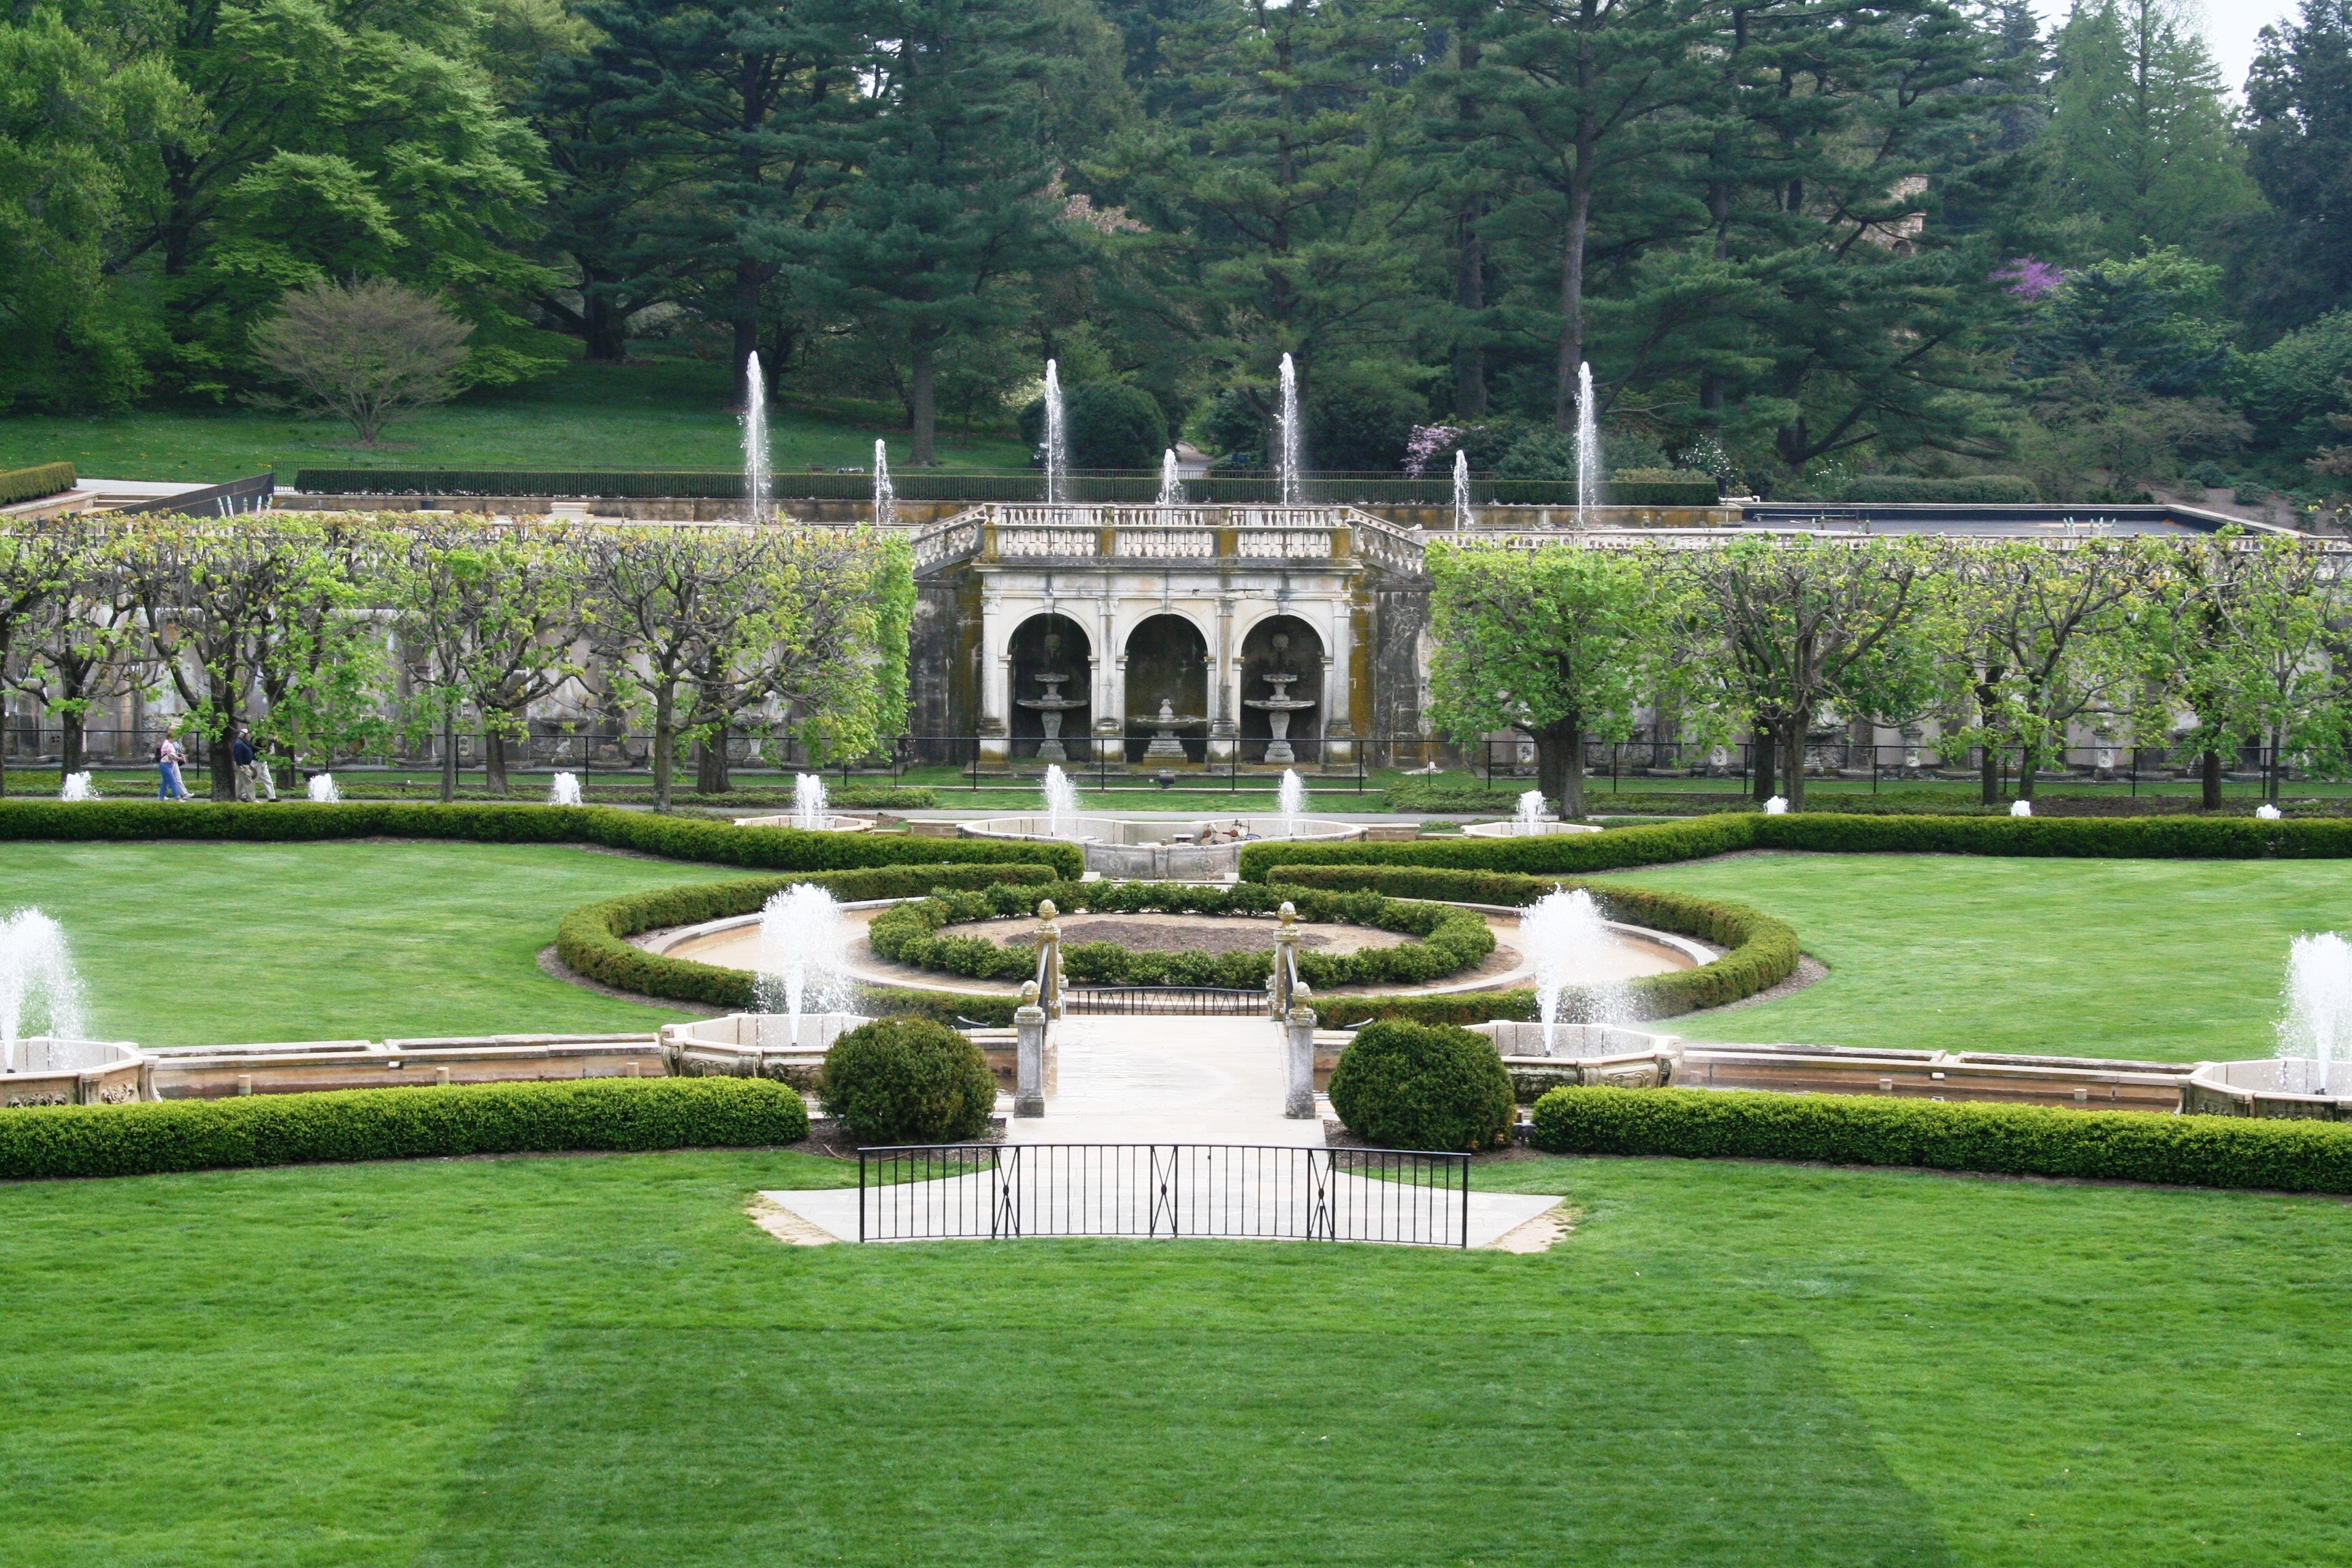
{"x":168,"y":758}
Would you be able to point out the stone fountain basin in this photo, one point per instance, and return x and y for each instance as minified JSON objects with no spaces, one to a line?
{"x":1515,"y":829}
{"x":760,"y":1045}
{"x":786,"y":819}
{"x":75,"y":1072}
{"x":1121,"y":846}
{"x":2275,"y":1087}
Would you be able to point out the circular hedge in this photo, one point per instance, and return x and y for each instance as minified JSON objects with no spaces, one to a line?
{"x":1423,"y":1086}
{"x":908,"y":1080}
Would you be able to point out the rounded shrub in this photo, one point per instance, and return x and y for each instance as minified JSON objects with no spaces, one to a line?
{"x":908,"y":1080}
{"x":1423,"y":1086}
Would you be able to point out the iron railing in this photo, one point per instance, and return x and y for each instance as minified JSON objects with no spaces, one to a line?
{"x":1213,"y":1001}
{"x":1242,"y":1192}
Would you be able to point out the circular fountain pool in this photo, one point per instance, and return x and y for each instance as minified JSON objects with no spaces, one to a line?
{"x":1196,"y":850}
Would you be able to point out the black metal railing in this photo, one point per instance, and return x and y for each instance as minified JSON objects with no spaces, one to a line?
{"x":1191,"y":1000}
{"x":1245,"y":1191}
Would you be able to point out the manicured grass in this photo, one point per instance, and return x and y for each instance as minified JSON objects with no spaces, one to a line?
{"x":660,"y":414}
{"x":205,"y":944}
{"x":533,"y":1362}
{"x":2165,"y":960}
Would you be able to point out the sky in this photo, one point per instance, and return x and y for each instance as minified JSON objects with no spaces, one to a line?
{"x":2230,"y":29}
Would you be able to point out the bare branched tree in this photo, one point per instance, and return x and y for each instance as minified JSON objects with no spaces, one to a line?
{"x":367,"y":351}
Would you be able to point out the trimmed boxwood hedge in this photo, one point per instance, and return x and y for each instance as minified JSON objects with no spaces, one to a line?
{"x":1414,"y":1086}
{"x":2005,"y":1140}
{"x":33,"y":483}
{"x":674,"y":838}
{"x":908,"y":1080}
{"x":2127,"y":838}
{"x":1763,"y":950}
{"x":591,"y":938}
{"x":1451,"y":940}
{"x":399,"y":1124}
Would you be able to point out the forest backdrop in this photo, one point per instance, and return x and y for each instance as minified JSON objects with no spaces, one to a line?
{"x":1806,"y":245}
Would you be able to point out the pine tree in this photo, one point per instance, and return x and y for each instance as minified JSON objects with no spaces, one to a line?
{"x":2299,"y":148}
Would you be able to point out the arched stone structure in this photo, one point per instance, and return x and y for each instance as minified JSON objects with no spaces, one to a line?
{"x":1282,"y":644}
{"x":1167,"y":660}
{"x":1051,"y":644}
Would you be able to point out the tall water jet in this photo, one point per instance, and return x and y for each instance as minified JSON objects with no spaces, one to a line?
{"x":1777,"y":807}
{"x":1461,"y":489}
{"x":1057,"y":440}
{"x":803,"y":949}
{"x":1565,"y":936}
{"x":810,"y":807}
{"x":1588,"y":445}
{"x":2317,"y":1026}
{"x":1532,"y":811}
{"x":1291,"y":798}
{"x":36,"y":983}
{"x":564,"y":791}
{"x":886,"y":498}
{"x":78,"y":786}
{"x":1172,"y":488}
{"x":1061,"y":804}
{"x":1289,"y":445}
{"x":2021,"y":808}
{"x":755,"y":440}
{"x":323,"y":791}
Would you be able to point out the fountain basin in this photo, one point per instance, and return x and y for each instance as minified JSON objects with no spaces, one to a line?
{"x":2274,"y":1086}
{"x":1582,"y":1054}
{"x":1517,"y":829}
{"x":759,"y":1045}
{"x":787,"y":820}
{"x":1121,"y":847}
{"x":46,"y":1070}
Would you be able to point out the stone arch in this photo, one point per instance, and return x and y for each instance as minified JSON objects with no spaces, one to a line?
{"x":1167,"y":660}
{"x":1282,"y":644}
{"x":1051,"y":644}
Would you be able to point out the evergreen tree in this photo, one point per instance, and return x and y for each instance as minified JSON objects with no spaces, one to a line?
{"x":2299,"y":149}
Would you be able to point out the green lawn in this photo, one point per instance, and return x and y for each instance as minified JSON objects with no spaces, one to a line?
{"x":212,"y":943}
{"x":660,"y":414}
{"x":2169,"y":960}
{"x":566,"y":1363}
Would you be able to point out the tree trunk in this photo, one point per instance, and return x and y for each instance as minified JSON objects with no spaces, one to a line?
{"x":494,"y":759}
{"x":923,"y":403}
{"x":224,"y":765}
{"x":2210,"y":767}
{"x":448,"y":754}
{"x":710,"y":766}
{"x":604,"y":327}
{"x":1560,"y":765}
{"x":1792,"y":752}
{"x":69,"y":744}
{"x":1470,"y":294}
{"x":2271,"y":782}
{"x":1571,"y":312}
{"x":1759,"y":752}
{"x":665,"y":744}
{"x":1988,"y":774}
{"x":746,"y":318}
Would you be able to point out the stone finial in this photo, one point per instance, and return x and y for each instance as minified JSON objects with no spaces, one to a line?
{"x":1289,"y":912}
{"x":1028,"y":994}
{"x":1045,"y":910}
{"x":1300,"y":989}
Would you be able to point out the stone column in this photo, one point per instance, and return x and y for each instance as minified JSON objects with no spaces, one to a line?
{"x":1339,"y":698}
{"x":1111,"y":678}
{"x":993,"y":726}
{"x":1298,"y":1060}
{"x":1224,"y":718}
{"x":1029,"y":1029}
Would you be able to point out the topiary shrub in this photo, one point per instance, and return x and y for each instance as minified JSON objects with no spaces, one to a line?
{"x":908,"y":1080}
{"x":1422,"y":1086}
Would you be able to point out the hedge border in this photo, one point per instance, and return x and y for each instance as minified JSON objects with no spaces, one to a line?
{"x":1833,"y":833}
{"x":2302,"y":1156}
{"x":591,"y":939}
{"x":611,"y":1115}
{"x":33,"y":483}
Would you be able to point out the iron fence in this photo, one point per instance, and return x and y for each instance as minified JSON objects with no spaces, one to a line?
{"x":1245,"y":1191}
{"x":1198,"y":1001}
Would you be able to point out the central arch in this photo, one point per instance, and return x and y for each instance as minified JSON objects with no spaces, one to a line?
{"x":1282,"y":644}
{"x":1052,"y":645}
{"x":1166,"y":661}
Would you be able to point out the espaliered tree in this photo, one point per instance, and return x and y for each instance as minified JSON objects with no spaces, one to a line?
{"x":36,"y":567}
{"x":1560,"y":642}
{"x":88,"y":646}
{"x":1804,"y":623}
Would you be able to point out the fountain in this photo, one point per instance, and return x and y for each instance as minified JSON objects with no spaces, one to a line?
{"x":35,"y":969}
{"x":1291,"y":798}
{"x":2317,"y":1027}
{"x":1777,"y":807}
{"x":1533,"y":819}
{"x":2267,"y":812}
{"x":886,"y":499}
{"x":78,"y":786}
{"x":1566,"y":936}
{"x":1172,"y":488}
{"x":2021,"y":808}
{"x":1291,"y":447}
{"x":1588,"y":445}
{"x":1165,"y":747}
{"x":1461,"y":489}
{"x":1279,"y":707}
{"x":755,"y":440}
{"x":1050,"y":707}
{"x":1057,"y":441}
{"x":803,"y":945}
{"x":564,"y":791}
{"x":323,"y":791}
{"x":808,"y":803}
{"x":1061,"y":803}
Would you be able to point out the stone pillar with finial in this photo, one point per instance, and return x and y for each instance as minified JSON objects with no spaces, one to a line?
{"x":1299,"y":1055}
{"x":1049,"y":959}
{"x":1286,"y":960}
{"x":1029,"y":1075}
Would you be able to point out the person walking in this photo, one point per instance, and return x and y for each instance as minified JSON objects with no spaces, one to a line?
{"x":168,"y":758}
{"x":262,"y":781}
{"x":240,"y":756}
